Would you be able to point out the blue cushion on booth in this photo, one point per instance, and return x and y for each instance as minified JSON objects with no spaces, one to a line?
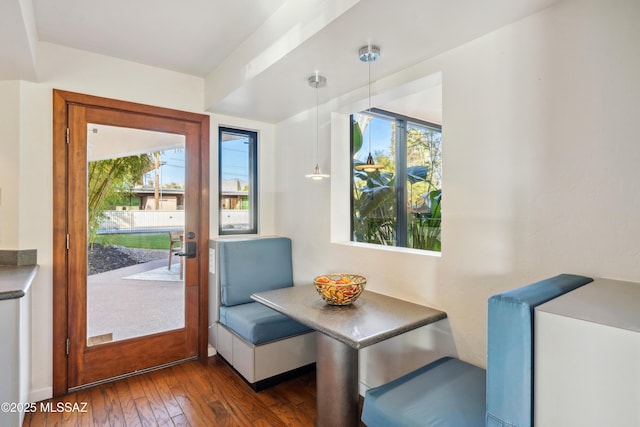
{"x":510,"y":335}
{"x":255,"y":265}
{"x":447,"y":392}
{"x":259,"y":324}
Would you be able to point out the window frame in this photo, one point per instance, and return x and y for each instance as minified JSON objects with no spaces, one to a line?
{"x":400,"y":160}
{"x":253,"y":180}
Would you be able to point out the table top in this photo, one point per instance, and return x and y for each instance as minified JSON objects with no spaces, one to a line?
{"x":372,"y":318}
{"x":607,"y":302}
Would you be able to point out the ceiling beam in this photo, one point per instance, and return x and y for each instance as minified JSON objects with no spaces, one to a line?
{"x":18,"y":30}
{"x":287,"y":29}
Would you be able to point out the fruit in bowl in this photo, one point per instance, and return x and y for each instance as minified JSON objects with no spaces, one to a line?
{"x":340,"y":289}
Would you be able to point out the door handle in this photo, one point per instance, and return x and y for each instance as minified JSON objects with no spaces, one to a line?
{"x":190,"y":252}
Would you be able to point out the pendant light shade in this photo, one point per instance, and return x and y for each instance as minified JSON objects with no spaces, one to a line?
{"x":370,"y":166}
{"x":369,"y":54}
{"x":317,"y":81}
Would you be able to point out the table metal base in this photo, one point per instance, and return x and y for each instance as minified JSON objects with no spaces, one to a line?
{"x":337,"y":383}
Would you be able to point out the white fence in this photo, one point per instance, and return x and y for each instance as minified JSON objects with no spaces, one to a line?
{"x":148,"y":221}
{"x":234,"y":218}
{"x":140,"y":221}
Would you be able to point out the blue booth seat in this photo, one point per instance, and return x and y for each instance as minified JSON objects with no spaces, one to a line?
{"x":260,"y":343}
{"x":248,"y":267}
{"x":259,"y":324}
{"x":453,"y":393}
{"x":453,"y":387}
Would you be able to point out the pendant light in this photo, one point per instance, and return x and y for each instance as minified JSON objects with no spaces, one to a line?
{"x":317,"y":81}
{"x":369,"y":54}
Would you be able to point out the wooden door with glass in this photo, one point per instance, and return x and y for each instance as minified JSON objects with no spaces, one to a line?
{"x":136,"y":230}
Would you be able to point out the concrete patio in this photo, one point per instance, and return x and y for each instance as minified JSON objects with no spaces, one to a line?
{"x":120,"y":307}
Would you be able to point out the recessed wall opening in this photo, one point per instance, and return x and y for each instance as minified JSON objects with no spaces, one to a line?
{"x":398,"y":206}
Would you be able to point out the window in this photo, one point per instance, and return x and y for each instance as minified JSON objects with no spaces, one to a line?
{"x":398,"y":205}
{"x":238,"y":179}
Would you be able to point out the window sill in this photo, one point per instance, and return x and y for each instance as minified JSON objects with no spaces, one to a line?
{"x":389,"y":248}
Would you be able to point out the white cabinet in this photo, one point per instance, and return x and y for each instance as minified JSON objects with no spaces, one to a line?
{"x":587,"y":357}
{"x":15,"y":339}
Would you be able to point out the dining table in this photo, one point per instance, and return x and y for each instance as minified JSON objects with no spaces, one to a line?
{"x":342,"y":331}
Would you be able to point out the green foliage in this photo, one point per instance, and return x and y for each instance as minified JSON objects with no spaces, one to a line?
{"x":375,"y":198}
{"x":357,"y":137}
{"x":374,"y":194}
{"x":424,"y":228}
{"x":109,"y":180}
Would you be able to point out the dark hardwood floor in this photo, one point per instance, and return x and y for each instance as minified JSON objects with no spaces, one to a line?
{"x":188,"y":394}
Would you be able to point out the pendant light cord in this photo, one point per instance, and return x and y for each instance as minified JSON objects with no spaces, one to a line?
{"x":370,"y":116}
{"x":369,"y":54}
{"x":317,"y":124}
{"x":369,"y":64}
{"x":317,"y":81}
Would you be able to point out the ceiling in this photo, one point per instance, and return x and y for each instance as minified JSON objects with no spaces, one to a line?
{"x":254,"y":55}
{"x":108,"y":142}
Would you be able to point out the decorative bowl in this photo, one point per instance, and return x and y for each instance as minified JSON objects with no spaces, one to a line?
{"x":340,"y":289}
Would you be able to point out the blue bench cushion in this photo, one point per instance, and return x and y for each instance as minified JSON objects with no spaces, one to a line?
{"x":450,"y":392}
{"x":447,"y":392}
{"x":510,"y":335}
{"x":259,"y":324}
{"x":255,"y":265}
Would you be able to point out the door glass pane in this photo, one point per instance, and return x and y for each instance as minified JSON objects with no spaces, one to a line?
{"x":136,"y":219}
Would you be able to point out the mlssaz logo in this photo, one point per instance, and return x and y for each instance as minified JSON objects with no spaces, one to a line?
{"x":80,"y":407}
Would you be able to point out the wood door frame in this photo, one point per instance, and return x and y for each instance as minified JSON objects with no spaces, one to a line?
{"x":61,"y":100}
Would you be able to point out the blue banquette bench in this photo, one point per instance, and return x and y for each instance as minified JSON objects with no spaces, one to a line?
{"x":260,"y":343}
{"x":450,"y":392}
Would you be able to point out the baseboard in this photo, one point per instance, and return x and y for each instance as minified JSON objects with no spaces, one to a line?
{"x":41,"y":394}
{"x":211,"y":351}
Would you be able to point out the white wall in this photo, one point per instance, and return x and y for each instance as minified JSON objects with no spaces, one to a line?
{"x":9,"y":164}
{"x":540,"y":167}
{"x":26,"y":144}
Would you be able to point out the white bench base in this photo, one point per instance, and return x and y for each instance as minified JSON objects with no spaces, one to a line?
{"x":260,"y":362}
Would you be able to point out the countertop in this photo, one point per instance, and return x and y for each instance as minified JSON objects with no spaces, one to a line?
{"x":604,"y":301}
{"x":15,"y":280}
